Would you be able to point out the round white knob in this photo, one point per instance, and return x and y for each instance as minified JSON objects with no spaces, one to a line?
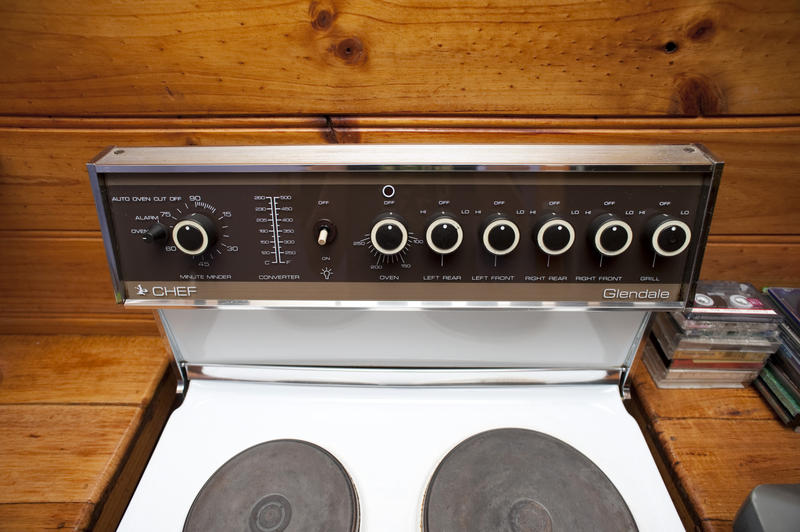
{"x":668,"y":237}
{"x":389,"y":235}
{"x":194,"y":234}
{"x":554,"y":235}
{"x":444,"y":235}
{"x":611,"y":236}
{"x":500,"y":236}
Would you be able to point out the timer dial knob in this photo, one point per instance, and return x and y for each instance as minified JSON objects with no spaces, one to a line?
{"x":444,"y":235}
{"x":194,"y":234}
{"x":500,"y":236}
{"x":389,"y":234}
{"x":610,"y":235}
{"x":554,"y":235}
{"x":667,"y":236}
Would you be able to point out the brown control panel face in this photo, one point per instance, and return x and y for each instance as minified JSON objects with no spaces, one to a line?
{"x":586,"y":238}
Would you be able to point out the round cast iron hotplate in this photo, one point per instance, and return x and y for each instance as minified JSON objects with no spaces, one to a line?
{"x":518,"y":480}
{"x":277,"y":486}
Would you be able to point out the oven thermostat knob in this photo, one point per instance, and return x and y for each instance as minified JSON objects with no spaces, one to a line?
{"x":667,"y":236}
{"x":554,"y":235}
{"x":194,"y":234}
{"x":499,"y":235}
{"x":444,"y":235}
{"x":610,"y":235}
{"x":389,"y":235}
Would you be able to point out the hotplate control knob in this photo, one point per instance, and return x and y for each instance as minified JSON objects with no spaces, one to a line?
{"x":444,"y":235}
{"x":554,"y":235}
{"x":389,"y":234}
{"x":499,"y":235}
{"x":610,"y":235}
{"x":667,"y":236}
{"x":194,"y":234}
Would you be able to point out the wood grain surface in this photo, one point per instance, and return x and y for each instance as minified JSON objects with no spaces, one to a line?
{"x":59,"y":369}
{"x":59,"y":452}
{"x":73,"y":411}
{"x":44,"y":516}
{"x":164,"y":57}
{"x":717,"y":446}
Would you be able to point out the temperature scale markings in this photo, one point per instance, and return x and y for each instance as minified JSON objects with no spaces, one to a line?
{"x":273,"y":206}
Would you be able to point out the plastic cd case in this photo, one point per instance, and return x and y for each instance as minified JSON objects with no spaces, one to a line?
{"x":728,"y":328}
{"x":730,"y":301}
{"x":788,"y":337}
{"x":783,"y":414}
{"x":788,"y":301}
{"x":668,"y":377}
{"x":788,"y":359}
{"x":672,"y":339}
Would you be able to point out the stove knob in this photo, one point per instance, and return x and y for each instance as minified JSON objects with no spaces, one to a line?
{"x":500,"y":236}
{"x":389,"y":234}
{"x":444,"y":234}
{"x":194,"y":234}
{"x":610,"y":235}
{"x":156,"y":233}
{"x":554,"y":235}
{"x":668,"y":236}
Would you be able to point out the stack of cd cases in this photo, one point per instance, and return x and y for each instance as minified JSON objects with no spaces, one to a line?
{"x":723,"y":341}
{"x":779,"y":381}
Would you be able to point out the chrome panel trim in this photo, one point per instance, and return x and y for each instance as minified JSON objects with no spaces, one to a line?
{"x":172,"y":345}
{"x":400,"y":305}
{"x":216,"y":168}
{"x":105,"y":228}
{"x":340,"y":376}
{"x":637,"y":345}
{"x":407,"y":158}
{"x":697,"y":263}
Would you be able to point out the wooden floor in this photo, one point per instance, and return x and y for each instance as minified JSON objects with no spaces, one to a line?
{"x":79,"y":417}
{"x":717,"y":445}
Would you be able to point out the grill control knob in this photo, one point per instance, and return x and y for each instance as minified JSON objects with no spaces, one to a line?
{"x":610,"y":235}
{"x":389,"y":234}
{"x":554,"y":235}
{"x":499,"y":235}
{"x":194,"y":234}
{"x":668,"y":236}
{"x":444,"y":235}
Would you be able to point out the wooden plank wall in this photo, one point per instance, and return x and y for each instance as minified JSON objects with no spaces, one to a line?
{"x":78,"y":76}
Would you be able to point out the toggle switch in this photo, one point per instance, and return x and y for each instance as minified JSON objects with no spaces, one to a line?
{"x":322,"y":238}
{"x":324,"y":231}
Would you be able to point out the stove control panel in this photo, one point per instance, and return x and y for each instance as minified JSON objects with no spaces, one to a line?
{"x":616,"y":227}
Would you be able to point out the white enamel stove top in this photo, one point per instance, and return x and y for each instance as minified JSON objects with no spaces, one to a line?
{"x":390,"y":440}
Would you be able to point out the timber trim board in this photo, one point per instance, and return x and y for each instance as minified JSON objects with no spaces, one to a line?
{"x":170,"y":58}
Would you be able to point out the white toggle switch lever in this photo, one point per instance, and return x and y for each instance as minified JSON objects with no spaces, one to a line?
{"x":322,"y":239}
